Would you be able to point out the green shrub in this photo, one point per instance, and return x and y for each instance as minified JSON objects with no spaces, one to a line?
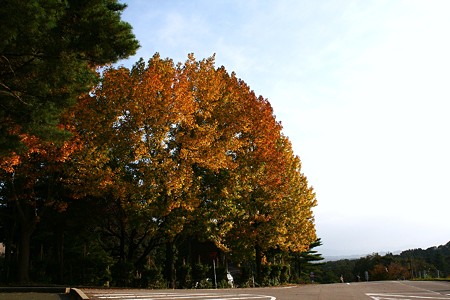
{"x":185,"y":276}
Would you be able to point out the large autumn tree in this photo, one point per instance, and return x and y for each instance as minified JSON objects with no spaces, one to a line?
{"x":192,"y":144}
{"x":152,"y":128}
{"x":49,"y":50}
{"x":259,"y":200}
{"x":272,"y":200}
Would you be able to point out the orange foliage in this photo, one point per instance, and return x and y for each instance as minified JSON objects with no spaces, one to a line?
{"x":156,"y":134}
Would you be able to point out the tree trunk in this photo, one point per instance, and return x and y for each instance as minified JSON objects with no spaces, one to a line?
{"x":24,"y":251}
{"x":170,"y":264}
{"x":27,"y":220}
{"x":10,"y":229}
{"x":60,"y":251}
{"x":8,"y":261}
{"x":122,"y":240}
{"x":258,"y":259}
{"x":140,"y":262}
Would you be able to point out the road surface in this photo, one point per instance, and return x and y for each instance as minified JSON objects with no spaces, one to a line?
{"x":382,"y":290}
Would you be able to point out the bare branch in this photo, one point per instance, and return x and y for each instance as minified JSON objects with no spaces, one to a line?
{"x":10,"y":92}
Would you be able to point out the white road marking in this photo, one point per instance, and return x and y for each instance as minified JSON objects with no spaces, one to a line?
{"x":399,"y":297}
{"x":199,"y":296}
{"x":419,"y":288}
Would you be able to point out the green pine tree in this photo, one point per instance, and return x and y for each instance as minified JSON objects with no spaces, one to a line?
{"x":49,"y":50}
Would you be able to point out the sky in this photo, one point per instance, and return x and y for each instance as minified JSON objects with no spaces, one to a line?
{"x":362,"y":89}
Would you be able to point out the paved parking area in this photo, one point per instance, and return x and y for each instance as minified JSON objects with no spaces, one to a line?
{"x":383,"y":290}
{"x":176,"y":295}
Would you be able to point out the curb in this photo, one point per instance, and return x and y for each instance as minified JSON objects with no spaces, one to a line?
{"x":73,"y":292}
{"x":34,"y":289}
{"x":78,"y":294}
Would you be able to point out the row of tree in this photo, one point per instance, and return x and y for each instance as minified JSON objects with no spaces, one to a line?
{"x":433,"y":262}
{"x":159,"y":154}
{"x":164,"y":167}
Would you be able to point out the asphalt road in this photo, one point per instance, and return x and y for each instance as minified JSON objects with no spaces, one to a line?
{"x":383,"y":290}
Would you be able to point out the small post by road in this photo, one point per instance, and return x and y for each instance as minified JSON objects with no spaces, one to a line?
{"x":215,"y":277}
{"x":311,"y":277}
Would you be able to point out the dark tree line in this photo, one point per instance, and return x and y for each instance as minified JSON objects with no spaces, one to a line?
{"x":153,"y":174}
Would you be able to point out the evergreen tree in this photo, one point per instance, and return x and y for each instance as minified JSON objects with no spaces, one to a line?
{"x":306,"y":264}
{"x":49,"y":50}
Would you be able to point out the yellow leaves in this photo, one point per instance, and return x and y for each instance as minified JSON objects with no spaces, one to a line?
{"x":190,"y":140}
{"x":8,"y":163}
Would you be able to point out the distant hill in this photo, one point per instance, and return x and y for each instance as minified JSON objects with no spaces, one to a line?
{"x":341,"y":257}
{"x":355,"y":256}
{"x":433,"y":262}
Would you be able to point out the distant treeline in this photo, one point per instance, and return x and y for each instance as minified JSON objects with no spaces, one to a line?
{"x":433,"y":262}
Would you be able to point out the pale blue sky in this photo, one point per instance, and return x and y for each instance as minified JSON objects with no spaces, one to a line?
{"x":362,"y":89}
